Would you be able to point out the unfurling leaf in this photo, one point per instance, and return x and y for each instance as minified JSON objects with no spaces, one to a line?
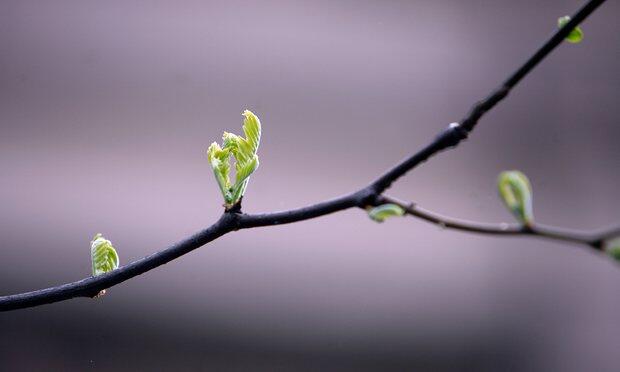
{"x":575,"y":35}
{"x":382,"y":212}
{"x":103,"y":255}
{"x":243,"y":151}
{"x":218,"y":158}
{"x":516,"y":192}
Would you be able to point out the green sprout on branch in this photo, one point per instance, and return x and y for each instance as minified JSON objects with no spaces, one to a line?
{"x":383,"y":212}
{"x":103,"y":255}
{"x":516,"y":192}
{"x":246,"y":161}
{"x":575,"y":35}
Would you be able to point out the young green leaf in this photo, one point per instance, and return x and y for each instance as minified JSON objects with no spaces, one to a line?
{"x":575,"y":35}
{"x":103,"y":255}
{"x":516,"y":192}
{"x":243,"y":151}
{"x":218,"y":158}
{"x":382,"y":212}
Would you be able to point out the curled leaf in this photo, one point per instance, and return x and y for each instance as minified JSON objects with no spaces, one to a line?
{"x":575,"y":35}
{"x":382,"y":212}
{"x":516,"y":192}
{"x":218,"y":158}
{"x":244,"y":152}
{"x":103,"y":255}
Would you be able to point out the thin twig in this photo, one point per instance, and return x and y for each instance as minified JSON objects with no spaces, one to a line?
{"x":592,"y":239}
{"x":234,"y":219}
{"x":457,"y":132}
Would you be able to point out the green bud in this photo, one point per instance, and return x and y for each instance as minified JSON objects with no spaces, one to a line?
{"x":516,"y":192}
{"x":103,"y":255}
{"x":576,"y":34}
{"x":382,"y":212}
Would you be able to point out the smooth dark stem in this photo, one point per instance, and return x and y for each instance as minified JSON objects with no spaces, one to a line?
{"x":554,"y":41}
{"x":356,"y":199}
{"x":479,"y":109}
{"x":234,"y":219}
{"x":457,"y":132}
{"x":450,"y":137}
{"x":91,"y":286}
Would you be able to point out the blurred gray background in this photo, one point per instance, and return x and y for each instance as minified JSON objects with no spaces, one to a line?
{"x":107,"y":108}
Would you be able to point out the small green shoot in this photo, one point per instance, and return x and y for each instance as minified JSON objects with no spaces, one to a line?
{"x":383,"y":212}
{"x":575,"y":35}
{"x":516,"y":192}
{"x":103,"y":255}
{"x":243,"y":150}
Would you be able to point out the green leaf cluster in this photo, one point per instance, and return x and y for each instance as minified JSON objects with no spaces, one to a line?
{"x":243,"y":150}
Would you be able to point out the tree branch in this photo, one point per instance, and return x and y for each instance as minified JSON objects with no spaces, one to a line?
{"x":91,"y":286}
{"x":592,"y":239}
{"x":457,"y":132}
{"x":233,"y":219}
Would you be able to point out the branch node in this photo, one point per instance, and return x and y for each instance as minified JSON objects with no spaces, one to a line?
{"x":368,"y":196}
{"x":452,"y":135}
{"x":482,"y":106}
{"x":597,"y":244}
{"x":235,"y":208}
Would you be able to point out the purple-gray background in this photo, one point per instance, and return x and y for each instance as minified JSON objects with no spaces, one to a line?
{"x":107,"y":108}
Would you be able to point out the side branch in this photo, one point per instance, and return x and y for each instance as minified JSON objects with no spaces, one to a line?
{"x":592,"y":239}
